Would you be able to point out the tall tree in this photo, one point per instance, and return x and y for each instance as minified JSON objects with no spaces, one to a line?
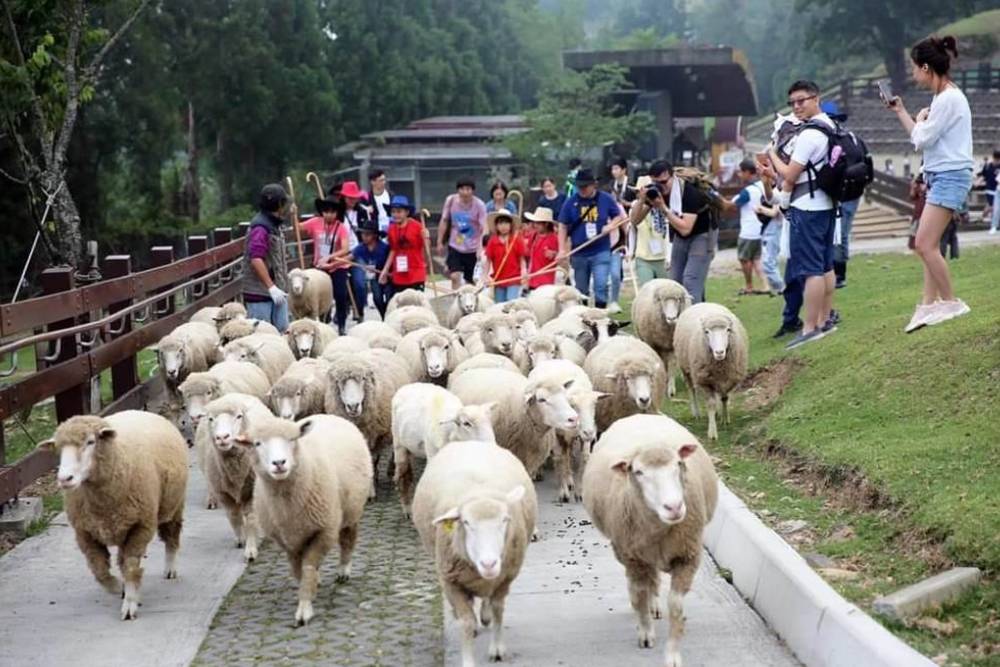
{"x":49,"y":68}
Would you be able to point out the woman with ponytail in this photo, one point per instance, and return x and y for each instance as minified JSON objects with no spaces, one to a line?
{"x":944,"y":133}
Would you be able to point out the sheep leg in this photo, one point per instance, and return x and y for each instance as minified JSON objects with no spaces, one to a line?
{"x":692,"y":394}
{"x":562,"y":456}
{"x":725,"y":408}
{"x":130,"y":560}
{"x":99,"y":562}
{"x":235,"y":516}
{"x":680,"y":584}
{"x":348,"y":538}
{"x":670,"y":366}
{"x":170,"y":533}
{"x":498,"y":649}
{"x":403,"y":478}
{"x":461,"y":605}
{"x":210,"y":502}
{"x":250,"y":531}
{"x":643,"y":582}
{"x":712,"y":405}
{"x":310,"y":558}
{"x":582,"y":455}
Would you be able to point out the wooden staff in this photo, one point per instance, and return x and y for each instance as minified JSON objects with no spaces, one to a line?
{"x":520,"y":201}
{"x":311,"y":176}
{"x":295,"y":221}
{"x":424,"y":213}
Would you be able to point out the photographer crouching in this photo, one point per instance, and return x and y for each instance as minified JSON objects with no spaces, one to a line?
{"x":687,"y":210}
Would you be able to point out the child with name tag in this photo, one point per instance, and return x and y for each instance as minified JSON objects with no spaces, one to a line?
{"x":330,"y":237}
{"x":505,"y":259}
{"x":406,"y":267}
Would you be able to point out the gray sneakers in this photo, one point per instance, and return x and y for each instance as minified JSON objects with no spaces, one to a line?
{"x":935,"y":313}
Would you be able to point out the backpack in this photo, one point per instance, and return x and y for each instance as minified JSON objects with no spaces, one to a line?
{"x":702,"y":182}
{"x":849,"y":168}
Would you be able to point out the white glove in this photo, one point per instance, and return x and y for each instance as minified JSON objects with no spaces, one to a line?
{"x":783,"y":199}
{"x":277,"y":295}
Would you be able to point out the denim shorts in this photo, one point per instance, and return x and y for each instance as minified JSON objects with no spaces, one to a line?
{"x":949,"y":189}
{"x":810,"y":242}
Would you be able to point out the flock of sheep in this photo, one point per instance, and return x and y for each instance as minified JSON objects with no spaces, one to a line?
{"x":289,"y":430}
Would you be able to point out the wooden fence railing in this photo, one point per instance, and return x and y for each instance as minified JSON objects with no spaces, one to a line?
{"x":90,"y":329}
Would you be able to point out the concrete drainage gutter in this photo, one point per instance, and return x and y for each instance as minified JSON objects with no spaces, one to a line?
{"x":820,"y":627}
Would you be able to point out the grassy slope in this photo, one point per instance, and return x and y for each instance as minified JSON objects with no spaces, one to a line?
{"x":983,"y":23}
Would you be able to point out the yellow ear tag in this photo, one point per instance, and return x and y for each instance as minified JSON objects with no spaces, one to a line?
{"x":449,"y":526}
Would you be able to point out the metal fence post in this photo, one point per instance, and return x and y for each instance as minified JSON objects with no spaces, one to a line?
{"x":124,"y":374}
{"x":73,"y":401}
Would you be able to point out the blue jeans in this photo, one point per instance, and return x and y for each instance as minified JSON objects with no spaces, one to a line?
{"x":506,"y":293}
{"x":949,"y":189}
{"x":690,"y":259}
{"x":341,"y":297}
{"x":380,"y":296}
{"x":995,"y":218}
{"x":842,"y":246}
{"x":769,"y":259}
{"x":267,"y":311}
{"x":359,"y":283}
{"x":616,"y":275}
{"x":597,"y":265}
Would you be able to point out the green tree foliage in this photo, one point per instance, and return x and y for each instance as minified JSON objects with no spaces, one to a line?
{"x":577,"y":114}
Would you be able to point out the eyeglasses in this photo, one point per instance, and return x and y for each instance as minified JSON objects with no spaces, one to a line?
{"x":800,"y":100}
{"x":662,"y":181}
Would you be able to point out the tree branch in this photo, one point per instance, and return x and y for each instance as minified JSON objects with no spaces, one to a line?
{"x":78,"y":17}
{"x":90,"y":72}
{"x":36,"y":103}
{"x":12,"y":177}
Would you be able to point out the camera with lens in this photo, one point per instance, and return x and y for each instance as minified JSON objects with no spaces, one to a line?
{"x":652,"y":192}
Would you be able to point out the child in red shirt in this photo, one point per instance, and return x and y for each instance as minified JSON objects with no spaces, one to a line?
{"x":543,"y":248}
{"x":505,"y":259}
{"x":407,"y":240}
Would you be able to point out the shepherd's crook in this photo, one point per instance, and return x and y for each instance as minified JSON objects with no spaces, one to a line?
{"x":294,"y":215}
{"x":424,"y":214}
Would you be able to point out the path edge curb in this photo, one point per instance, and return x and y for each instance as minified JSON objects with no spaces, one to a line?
{"x":820,"y":627}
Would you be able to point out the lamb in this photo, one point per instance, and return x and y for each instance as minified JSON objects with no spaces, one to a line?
{"x":407,"y":319}
{"x":498,"y":337}
{"x":225,"y":377}
{"x":206,"y":315}
{"x":228,"y":468}
{"x":243,"y":327}
{"x":466,"y":300}
{"x":512,"y":306}
{"x":631,"y":372}
{"x":312,"y":480}
{"x":654,"y":314}
{"x":469,"y":326}
{"x":343,"y":346}
{"x":572,"y":445}
{"x":542,"y":347}
{"x":300,"y":391}
{"x":475,"y":509}
{"x":483,"y":360}
{"x":430,"y":354}
{"x":310,"y":293}
{"x":584,"y":325}
{"x":376,"y":334}
{"x":651,"y":489}
{"x":408,"y":297}
{"x":123,"y":478}
{"x":269,"y":353}
{"x":360,"y":389}
{"x":712,"y":351}
{"x":309,"y":338}
{"x":525,"y":324}
{"x":426,"y":417}
{"x":233,"y":310}
{"x":548,"y":301}
{"x":527,"y":412}
{"x":190,"y":348}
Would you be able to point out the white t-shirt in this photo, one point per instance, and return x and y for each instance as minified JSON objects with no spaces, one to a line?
{"x":811,"y":147}
{"x":749,"y":222}
{"x":946,"y":135}
{"x":352,"y":226}
{"x":381,"y":206}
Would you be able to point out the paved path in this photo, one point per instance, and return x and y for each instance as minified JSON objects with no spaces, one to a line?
{"x":570,"y":606}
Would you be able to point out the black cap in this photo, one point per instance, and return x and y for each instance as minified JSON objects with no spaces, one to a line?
{"x":585,"y":177}
{"x":272,"y":196}
{"x":368,"y":226}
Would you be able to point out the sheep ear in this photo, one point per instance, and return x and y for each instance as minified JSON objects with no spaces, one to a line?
{"x":106,"y":433}
{"x":687,"y":450}
{"x":621,"y":324}
{"x":515,"y":494}
{"x":446,"y":422}
{"x":255,"y":324}
{"x":305,"y":427}
{"x":47,"y":445}
{"x":568,"y":383}
{"x":611,"y":376}
{"x":259,"y":345}
{"x":450,"y":516}
{"x":601,"y":395}
{"x":621,"y":466}
{"x":243,"y":440}
{"x":529,"y":397}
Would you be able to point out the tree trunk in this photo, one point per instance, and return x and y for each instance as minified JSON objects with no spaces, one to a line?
{"x":190,"y":195}
{"x":895,"y":67}
{"x":69,"y":242}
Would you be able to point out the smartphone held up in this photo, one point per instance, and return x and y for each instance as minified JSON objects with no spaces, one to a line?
{"x":885,"y":92}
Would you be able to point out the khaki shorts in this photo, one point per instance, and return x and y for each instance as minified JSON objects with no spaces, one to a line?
{"x":748,"y":250}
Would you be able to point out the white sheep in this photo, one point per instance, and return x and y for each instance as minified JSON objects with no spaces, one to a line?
{"x":309,"y":338}
{"x":232,"y":310}
{"x":206,"y":315}
{"x":466,"y":300}
{"x":475,"y":509}
{"x":431,"y":354}
{"x":469,"y":326}
{"x":499,"y":336}
{"x":225,"y":377}
{"x":512,"y":306}
{"x":631,"y":372}
{"x":527,"y":413}
{"x":572,"y":445}
{"x":483,"y":360}
{"x":584,"y":325}
{"x":310,"y":293}
{"x":548,"y":301}
{"x":654,"y":315}
{"x":712,"y":351}
{"x":190,"y":348}
{"x":267,"y":352}
{"x":228,"y":468}
{"x":360,"y":388}
{"x":124,"y":479}
{"x":525,"y":324}
{"x":426,"y":417}
{"x":243,"y":327}
{"x":543,"y":347}
{"x":651,"y":489}
{"x":313,"y":478}
{"x":301,"y":389}
{"x":344,"y":346}
{"x":408,"y":297}
{"x":407,"y":319}
{"x":376,"y":334}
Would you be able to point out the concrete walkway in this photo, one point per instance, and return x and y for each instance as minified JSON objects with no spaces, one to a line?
{"x":52,"y":612}
{"x":570,"y":606}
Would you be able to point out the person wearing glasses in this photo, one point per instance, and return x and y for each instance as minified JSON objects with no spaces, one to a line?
{"x":810,"y":214}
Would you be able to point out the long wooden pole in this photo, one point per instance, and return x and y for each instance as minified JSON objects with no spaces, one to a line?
{"x":295,"y":221}
{"x":424,"y":214}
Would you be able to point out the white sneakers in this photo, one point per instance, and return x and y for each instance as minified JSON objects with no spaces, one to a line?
{"x":935,"y":313}
{"x":614,"y":308}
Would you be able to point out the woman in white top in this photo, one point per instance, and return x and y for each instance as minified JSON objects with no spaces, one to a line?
{"x":944,"y":133}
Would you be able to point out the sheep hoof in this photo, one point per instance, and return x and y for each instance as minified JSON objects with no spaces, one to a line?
{"x":564,"y":495}
{"x":130,"y":610}
{"x":240,"y":544}
{"x":655,"y":611}
{"x":539,"y":476}
{"x":304,"y":613}
{"x":211,"y":505}
{"x":170,"y":573}
{"x":535,"y":535}
{"x":673,"y":659}
{"x":250,"y":554}
{"x":497,"y":652}
{"x":647,"y":638}
{"x":344,"y":574}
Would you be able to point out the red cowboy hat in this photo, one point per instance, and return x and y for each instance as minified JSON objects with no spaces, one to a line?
{"x":351,"y":189}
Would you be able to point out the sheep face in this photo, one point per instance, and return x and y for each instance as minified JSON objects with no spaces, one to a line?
{"x":566,"y":298}
{"x":553,"y":404}
{"x":434,"y":350}
{"x":297,"y":281}
{"x":277,"y":451}
{"x":670,"y":303}
{"x":352,"y":392}
{"x":468,"y":301}
{"x":603,"y":327}
{"x":718,"y":333}
{"x":637,"y":384}
{"x":584,"y":401}
{"x":242,"y":352}
{"x":539,"y":350}
{"x":227,"y":429}
{"x":287,"y":399}
{"x":78,"y":441}
{"x":479,"y":530}
{"x":498,"y":334}
{"x":657,"y":475}
{"x":303,"y":343}
{"x":525,"y":325}
{"x":172,"y":355}
{"x":197,"y":399}
{"x":472,"y":422}
{"x":236,"y":329}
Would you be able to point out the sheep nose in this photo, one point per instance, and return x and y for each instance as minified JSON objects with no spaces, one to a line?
{"x":572,"y":420}
{"x":488,"y":565}
{"x":279,"y":464}
{"x":65,"y":479}
{"x":643,"y":401}
{"x":674,"y":510}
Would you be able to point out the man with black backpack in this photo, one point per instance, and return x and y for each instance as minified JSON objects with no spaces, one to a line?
{"x":825,"y":165}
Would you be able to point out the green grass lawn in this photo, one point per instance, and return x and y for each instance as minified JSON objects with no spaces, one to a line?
{"x":917,"y":415}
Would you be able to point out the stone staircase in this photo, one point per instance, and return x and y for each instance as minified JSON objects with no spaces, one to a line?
{"x":877,"y":221}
